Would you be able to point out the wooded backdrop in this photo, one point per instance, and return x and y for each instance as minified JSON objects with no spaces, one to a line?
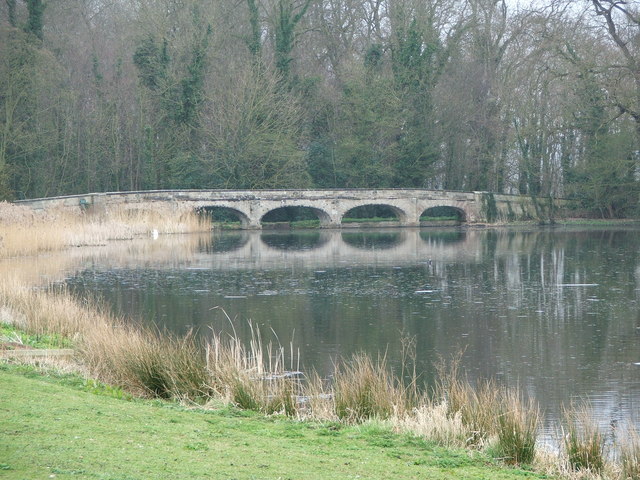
{"x":106,"y":95}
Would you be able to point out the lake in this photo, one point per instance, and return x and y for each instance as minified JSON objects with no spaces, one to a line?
{"x":554,"y":311}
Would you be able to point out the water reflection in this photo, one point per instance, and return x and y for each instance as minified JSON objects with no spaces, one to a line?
{"x":443,"y":236}
{"x":369,"y":240}
{"x":168,"y":251}
{"x":228,"y":241}
{"x":553,"y":311}
{"x":302,"y":240}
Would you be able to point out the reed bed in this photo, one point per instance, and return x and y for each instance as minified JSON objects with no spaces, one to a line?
{"x":45,"y":312}
{"x":263,"y":376}
{"x":27,"y":232}
{"x":487,"y":415}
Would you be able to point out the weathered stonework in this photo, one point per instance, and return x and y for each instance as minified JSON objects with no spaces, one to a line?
{"x":330,"y":205}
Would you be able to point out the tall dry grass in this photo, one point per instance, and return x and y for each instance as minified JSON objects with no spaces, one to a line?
{"x":583,"y":441}
{"x":488,"y":415}
{"x":123,"y":223}
{"x":630,"y":454}
{"x":142,"y":360}
{"x":46,"y":311}
{"x":254,"y":377}
{"x":517,"y":428}
{"x":26,"y":232}
{"x":145,"y":361}
{"x":364,"y":389}
{"x":435,"y":422}
{"x":477,"y":405}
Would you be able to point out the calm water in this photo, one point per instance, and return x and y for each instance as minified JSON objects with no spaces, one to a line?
{"x":554,"y":311}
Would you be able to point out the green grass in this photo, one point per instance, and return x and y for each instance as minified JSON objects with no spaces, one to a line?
{"x":66,"y":427}
{"x":305,"y":224}
{"x":370,"y":220}
{"x":597,"y":222}
{"x":227,"y":225}
{"x":11,"y":334}
{"x":439,"y":219}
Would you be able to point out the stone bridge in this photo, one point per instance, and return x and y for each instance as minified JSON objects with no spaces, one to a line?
{"x":330,"y":206}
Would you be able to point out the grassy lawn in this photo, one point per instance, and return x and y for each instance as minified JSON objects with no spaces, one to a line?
{"x":67,"y":428}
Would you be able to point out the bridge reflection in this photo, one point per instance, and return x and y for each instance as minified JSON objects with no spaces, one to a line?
{"x":294,"y":241}
{"x":321,"y":248}
{"x":316,"y":249}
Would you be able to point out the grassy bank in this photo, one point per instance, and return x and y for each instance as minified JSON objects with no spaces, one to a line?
{"x":68,"y":428}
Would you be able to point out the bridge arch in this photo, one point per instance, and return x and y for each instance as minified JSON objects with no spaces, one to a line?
{"x":444,"y":212}
{"x":322,"y":215}
{"x":222,"y":212}
{"x":374,"y":210}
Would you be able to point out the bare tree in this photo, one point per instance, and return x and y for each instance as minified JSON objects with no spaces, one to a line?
{"x":621,"y":20}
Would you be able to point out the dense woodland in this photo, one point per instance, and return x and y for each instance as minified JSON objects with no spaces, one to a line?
{"x":540,"y":99}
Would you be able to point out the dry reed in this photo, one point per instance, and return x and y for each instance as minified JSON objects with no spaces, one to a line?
{"x":365,"y":389}
{"x":26,"y":232}
{"x":318,"y":399}
{"x":630,"y":454}
{"x":517,"y":428}
{"x":141,"y":360}
{"x":583,"y":441}
{"x":253,"y":377}
{"x":434,"y":422}
{"x":44,"y":312}
{"x":478,"y":406}
{"x":145,"y":361}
